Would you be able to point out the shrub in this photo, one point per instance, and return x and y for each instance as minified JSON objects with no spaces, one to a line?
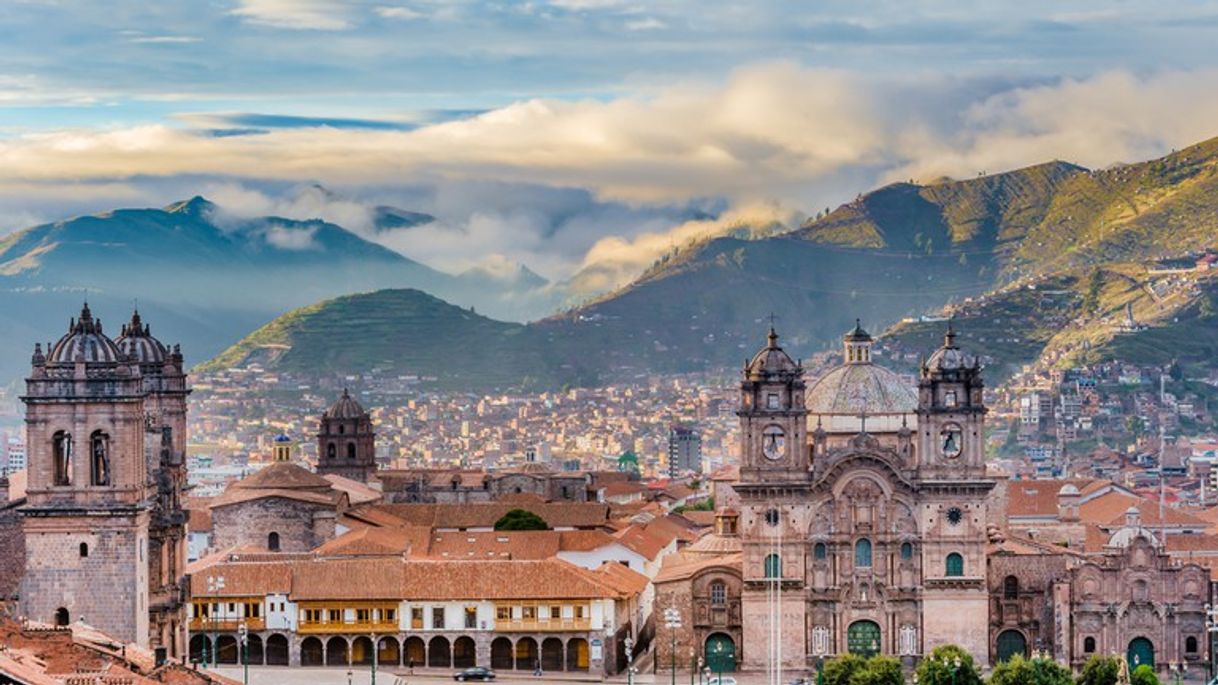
{"x":948,"y":665}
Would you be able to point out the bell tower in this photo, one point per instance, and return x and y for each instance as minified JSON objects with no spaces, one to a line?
{"x":346,"y":443}
{"x":773,"y":419}
{"x":951,"y":413}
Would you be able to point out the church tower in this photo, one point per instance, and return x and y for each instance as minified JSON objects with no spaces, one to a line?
{"x":87,"y":518}
{"x":954,"y":491}
{"x":346,"y":443}
{"x":773,"y":419}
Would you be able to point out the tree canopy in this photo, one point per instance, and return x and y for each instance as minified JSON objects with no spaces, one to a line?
{"x":521,"y":519}
{"x":948,"y":665}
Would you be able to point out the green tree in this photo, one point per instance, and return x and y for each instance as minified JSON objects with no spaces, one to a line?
{"x":879,"y":670}
{"x":521,"y":519}
{"x":1135,"y":427}
{"x":1095,"y":283}
{"x":1100,"y":670}
{"x":1020,"y":671}
{"x":839,"y":670}
{"x":1144,"y":675}
{"x":948,"y":665}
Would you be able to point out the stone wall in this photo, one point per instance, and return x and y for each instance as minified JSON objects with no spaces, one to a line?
{"x":298,"y":524}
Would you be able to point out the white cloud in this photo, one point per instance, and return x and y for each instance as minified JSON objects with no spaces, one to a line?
{"x":326,"y":15}
{"x":295,"y":239}
{"x":165,"y":40}
{"x":398,"y":12}
{"x":647,"y":24}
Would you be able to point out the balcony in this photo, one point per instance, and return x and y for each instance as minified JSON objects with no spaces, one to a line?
{"x":551,"y":625}
{"x":206,"y":625}
{"x":307,"y":628}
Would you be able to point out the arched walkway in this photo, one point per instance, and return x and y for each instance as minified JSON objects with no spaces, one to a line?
{"x":720,"y":654}
{"x":501,"y":654}
{"x":1141,"y":652}
{"x":526,"y":654}
{"x":577,"y":654}
{"x":199,"y":646}
{"x":465,"y":654}
{"x":551,"y":654}
{"x":388,"y":651}
{"x":253,"y":650}
{"x":863,"y":638}
{"x":415,"y":652}
{"x":226,"y":650}
{"x":277,"y":650}
{"x":336,"y":652}
{"x":312,"y":653}
{"x":361,"y":651}
{"x":439,"y":654}
{"x":1010,"y":643}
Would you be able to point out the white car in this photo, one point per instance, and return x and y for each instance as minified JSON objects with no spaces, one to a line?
{"x":721,"y":680}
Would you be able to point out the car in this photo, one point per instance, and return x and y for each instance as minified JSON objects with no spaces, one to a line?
{"x":478,"y":673}
{"x":722,"y":680}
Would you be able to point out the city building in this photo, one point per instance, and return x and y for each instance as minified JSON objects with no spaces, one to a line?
{"x":346,"y":444}
{"x":684,"y":450}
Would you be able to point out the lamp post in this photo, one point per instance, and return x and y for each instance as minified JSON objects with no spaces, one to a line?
{"x":629,"y":660}
{"x":375,"y":649}
{"x":719,"y":662}
{"x":672,"y":621}
{"x":215,"y":584}
{"x":243,"y":637}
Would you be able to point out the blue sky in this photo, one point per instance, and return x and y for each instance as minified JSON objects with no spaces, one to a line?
{"x":562,"y":132}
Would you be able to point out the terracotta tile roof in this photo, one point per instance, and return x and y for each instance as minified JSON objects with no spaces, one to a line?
{"x":283,"y":476}
{"x":485,"y":514}
{"x":1109,"y":510}
{"x":371,"y":514}
{"x":503,"y":580}
{"x":699,"y":518}
{"x":357,"y":492}
{"x":488,"y":546}
{"x":624,"y":488}
{"x":584,"y":540}
{"x":199,"y":520}
{"x":373,"y":541}
{"x":729,"y":473}
{"x":328,"y":579}
{"x":644,"y":541}
{"x":1193,"y":543}
{"x":1094,"y":538}
{"x":679,"y":567}
{"x":235,"y":496}
{"x":243,"y":579}
{"x":620,"y":577}
{"x":1020,"y":546}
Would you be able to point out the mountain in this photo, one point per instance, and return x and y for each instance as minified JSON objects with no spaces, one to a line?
{"x":1023,"y":244}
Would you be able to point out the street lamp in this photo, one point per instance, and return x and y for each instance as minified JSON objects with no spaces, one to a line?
{"x":243,"y":636}
{"x":376,"y":646}
{"x":215,"y":584}
{"x":629,"y":660}
{"x":719,"y":649}
{"x":672,"y":621}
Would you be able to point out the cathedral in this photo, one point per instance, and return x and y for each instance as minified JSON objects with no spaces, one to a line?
{"x":104,"y":524}
{"x":868,"y":523}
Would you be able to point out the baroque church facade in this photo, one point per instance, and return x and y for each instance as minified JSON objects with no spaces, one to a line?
{"x":104,"y":523}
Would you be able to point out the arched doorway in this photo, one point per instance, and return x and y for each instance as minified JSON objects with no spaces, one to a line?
{"x":439,"y":654}
{"x":501,"y":654}
{"x":336,"y":652}
{"x":863,"y":638}
{"x":1010,"y":643}
{"x":361,"y":651}
{"x":551,"y":654}
{"x":464,"y":653}
{"x":526,"y":654}
{"x":720,"y":653}
{"x":312,"y":653}
{"x":388,"y":652}
{"x":61,"y":617}
{"x":1141,"y":651}
{"x":277,"y":650}
{"x":415,"y":652}
{"x":200,"y":647}
{"x":226,"y":650}
{"x":253,"y":650}
{"x":577,"y":654}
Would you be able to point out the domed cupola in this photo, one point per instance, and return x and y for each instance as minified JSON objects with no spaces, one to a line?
{"x":771,"y":362}
{"x":345,"y":408}
{"x":85,"y":342}
{"x":136,"y":342}
{"x":948,"y":361}
{"x":860,"y":396}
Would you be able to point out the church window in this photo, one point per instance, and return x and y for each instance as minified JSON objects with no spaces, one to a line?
{"x":771,"y":401}
{"x":61,"y":617}
{"x":272,"y":541}
{"x":331,"y":451}
{"x":772,"y":517}
{"x":819,"y":552}
{"x":350,"y":450}
{"x":949,"y":398}
{"x":1190,"y":644}
{"x":437,"y":618}
{"x":61,"y":449}
{"x":1089,"y":645}
{"x":1010,"y":587}
{"x":718,"y":592}
{"x":955,"y":516}
{"x":862,"y":553}
{"x":99,"y":462}
{"x":954,"y":565}
{"x":773,"y":566}
{"x":906,"y":551}
{"x":84,"y":549}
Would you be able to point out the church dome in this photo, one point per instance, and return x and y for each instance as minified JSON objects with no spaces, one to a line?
{"x":858,"y":386}
{"x":771,"y":360}
{"x":84,"y":341}
{"x":949,"y":358}
{"x":345,"y":408}
{"x":136,"y":341}
{"x":1132,"y":530}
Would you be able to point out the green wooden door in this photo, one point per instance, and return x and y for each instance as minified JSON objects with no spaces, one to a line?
{"x":1010,"y":643}
{"x":1140,"y":652}
{"x":720,"y":654}
{"x":863,"y":638}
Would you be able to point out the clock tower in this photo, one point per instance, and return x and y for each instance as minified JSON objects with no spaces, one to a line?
{"x":773,"y":418}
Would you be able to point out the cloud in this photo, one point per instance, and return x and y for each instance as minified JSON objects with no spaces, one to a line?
{"x":398,"y":12}
{"x":325,"y":15}
{"x":647,"y":24}
{"x":165,"y":40}
{"x":295,"y":239}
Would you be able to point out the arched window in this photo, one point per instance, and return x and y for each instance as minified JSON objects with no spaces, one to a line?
{"x":718,"y":594}
{"x":773,"y":566}
{"x":862,"y":553}
{"x":954,"y":565}
{"x":1010,"y":587}
{"x":61,"y":617}
{"x":84,"y":549}
{"x":99,"y":458}
{"x":272,"y":542}
{"x":906,"y":551}
{"x":820,"y":551}
{"x":350,"y":450}
{"x":331,"y":451}
{"x":61,"y":449}
{"x":341,"y":429}
{"x":1089,"y":645}
{"x":1190,"y":644}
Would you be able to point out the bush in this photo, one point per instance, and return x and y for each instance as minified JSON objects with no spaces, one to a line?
{"x":521,"y":519}
{"x":1144,"y":675}
{"x":839,"y":670}
{"x":879,"y":670}
{"x":1100,"y":670}
{"x":940,"y":668}
{"x":1020,"y":671}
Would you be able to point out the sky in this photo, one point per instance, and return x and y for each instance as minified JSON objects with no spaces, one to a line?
{"x":574,"y":136}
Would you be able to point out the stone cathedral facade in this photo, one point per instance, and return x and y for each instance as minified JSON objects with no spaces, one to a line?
{"x":104,"y":524}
